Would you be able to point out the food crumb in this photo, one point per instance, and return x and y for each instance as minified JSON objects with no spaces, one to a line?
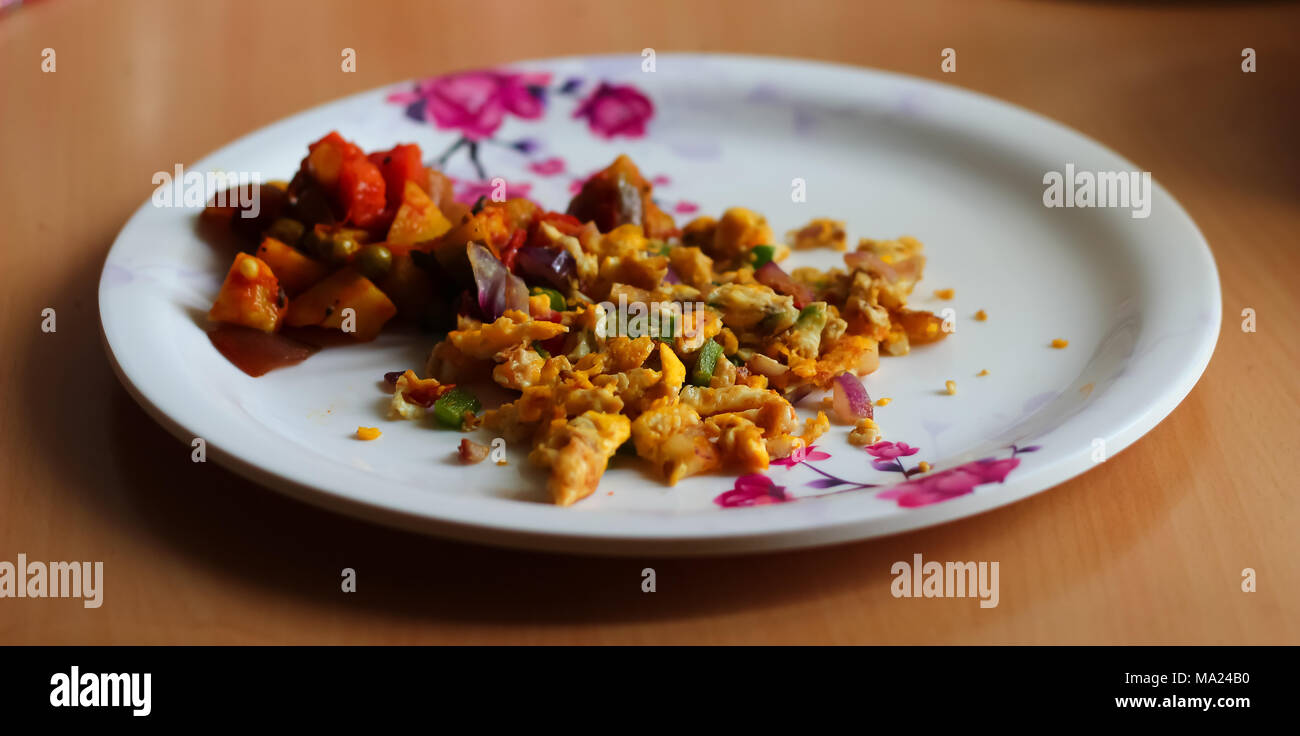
{"x":865,"y":432}
{"x":1059,"y":344}
{"x":981,"y":316}
{"x":924,"y":467}
{"x":883,"y":401}
{"x":950,"y":387}
{"x":471,"y":452}
{"x":945,"y":294}
{"x":828,"y":403}
{"x":984,"y":372}
{"x":368,"y":433}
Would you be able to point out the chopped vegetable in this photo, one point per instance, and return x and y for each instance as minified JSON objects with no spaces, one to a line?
{"x":779,"y":281}
{"x":850,"y":400}
{"x":323,"y":305}
{"x":553,"y":267}
{"x":361,"y":191}
{"x":450,"y":409}
{"x":761,"y":255}
{"x":287,"y":230}
{"x":557,"y":299}
{"x":374,"y":261}
{"x":251,"y":296}
{"x":706,"y":361}
{"x":418,"y":219}
{"x":295,"y":271}
{"x":498,"y":289}
{"x":399,"y":165}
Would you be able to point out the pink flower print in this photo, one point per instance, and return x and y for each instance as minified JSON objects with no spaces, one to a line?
{"x":891,"y":450}
{"x":948,"y":484}
{"x":476,"y":103}
{"x":754,"y":489}
{"x":548,"y":167}
{"x":801,"y":454}
{"x":686,"y":208}
{"x":616,"y":109}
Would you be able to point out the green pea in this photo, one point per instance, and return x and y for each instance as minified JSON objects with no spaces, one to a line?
{"x":342,"y":248}
{"x":286,"y":230}
{"x":374,"y":261}
{"x":314,"y":244}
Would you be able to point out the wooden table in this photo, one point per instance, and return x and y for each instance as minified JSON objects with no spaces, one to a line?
{"x":1148,"y":547}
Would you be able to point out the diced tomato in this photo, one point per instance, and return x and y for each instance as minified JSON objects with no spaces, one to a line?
{"x":353,"y":181}
{"x":512,"y":246}
{"x":399,"y":165}
{"x":567,"y":224}
{"x":362,"y":192}
{"x":325,"y":158}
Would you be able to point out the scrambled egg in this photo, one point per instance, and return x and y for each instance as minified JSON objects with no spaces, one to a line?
{"x":658,"y":394}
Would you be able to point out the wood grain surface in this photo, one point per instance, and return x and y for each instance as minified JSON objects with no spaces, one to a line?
{"x":1149,"y":547}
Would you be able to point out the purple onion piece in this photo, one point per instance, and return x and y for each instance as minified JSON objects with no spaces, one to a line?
{"x":774,"y":277}
{"x":553,"y":267}
{"x":850,"y":400}
{"x":498,"y":289}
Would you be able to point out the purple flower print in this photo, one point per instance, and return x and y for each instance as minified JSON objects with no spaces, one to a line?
{"x":616,"y":109}
{"x":951,"y":483}
{"x":476,"y":103}
{"x":754,"y":489}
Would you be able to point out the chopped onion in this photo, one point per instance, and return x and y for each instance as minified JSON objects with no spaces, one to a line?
{"x":771,"y":275}
{"x":797,"y":393}
{"x":890,"y":272}
{"x":765,"y":366}
{"x":553,"y":267}
{"x":498,"y":289}
{"x":850,"y":400}
{"x":671,"y":276}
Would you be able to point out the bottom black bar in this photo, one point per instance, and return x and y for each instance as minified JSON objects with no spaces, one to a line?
{"x":991,"y":685}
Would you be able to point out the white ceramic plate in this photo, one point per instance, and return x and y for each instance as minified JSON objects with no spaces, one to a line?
{"x":1138,"y":300}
